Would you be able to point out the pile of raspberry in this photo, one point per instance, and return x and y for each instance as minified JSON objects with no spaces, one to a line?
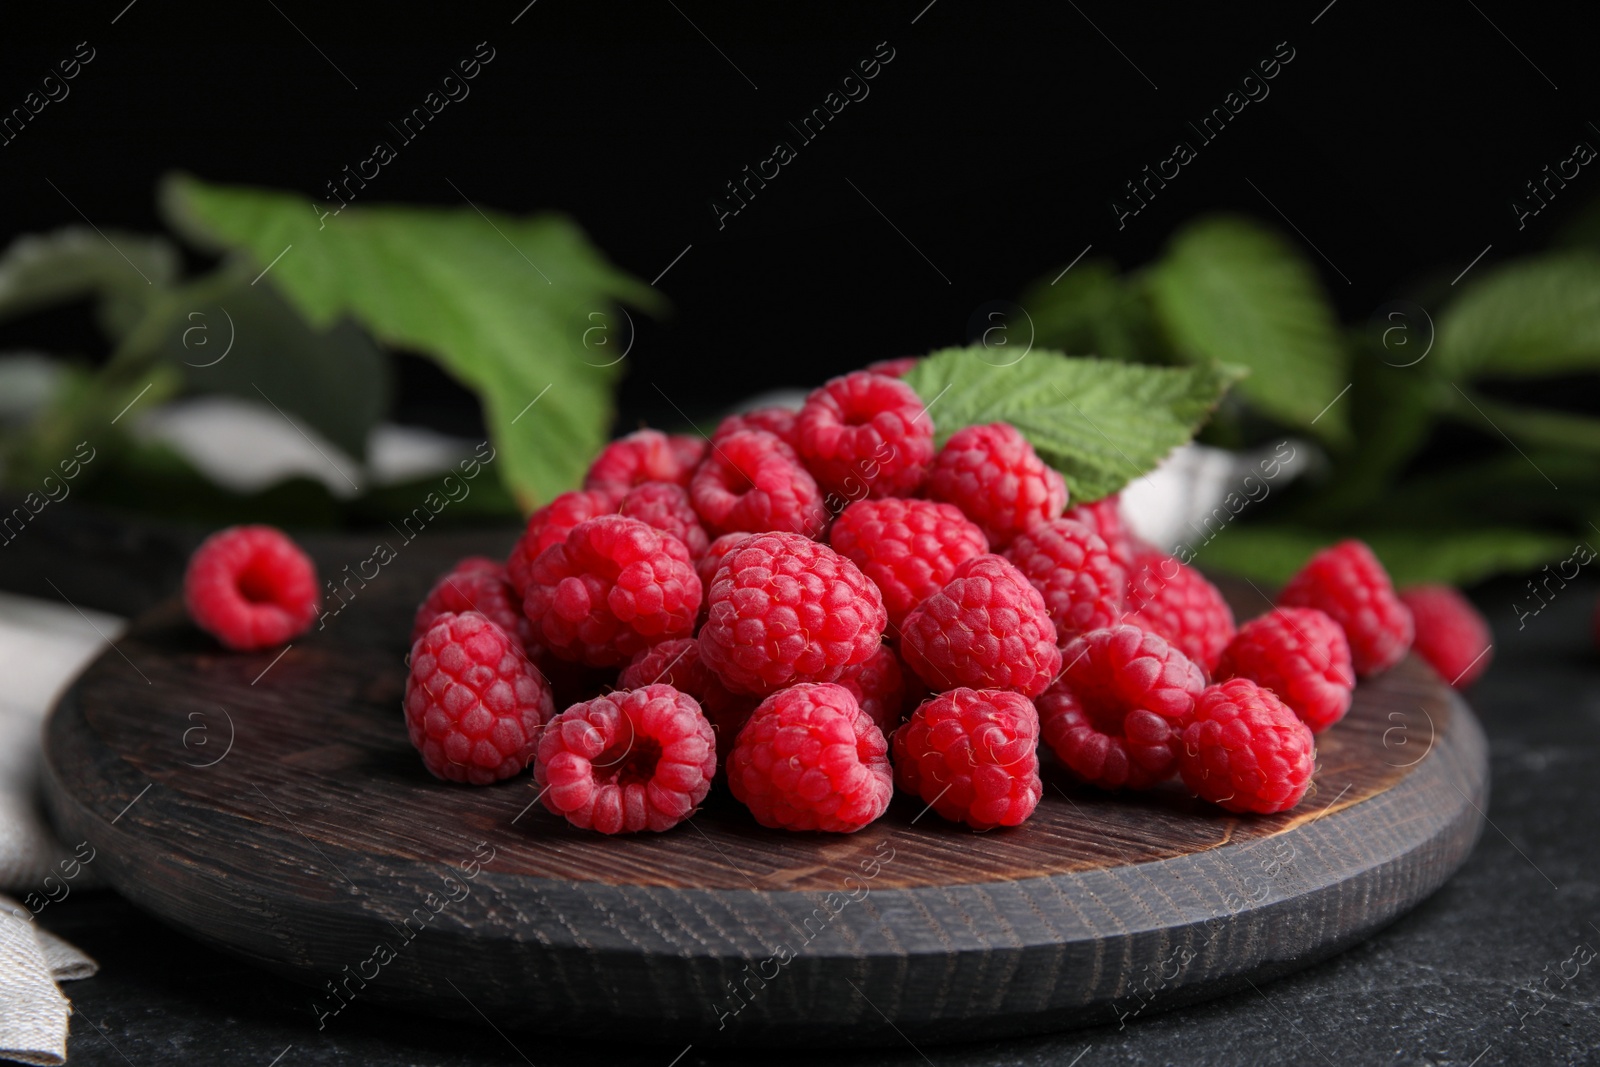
{"x":816,"y":608}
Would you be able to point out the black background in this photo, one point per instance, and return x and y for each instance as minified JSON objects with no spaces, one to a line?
{"x":993,"y":142}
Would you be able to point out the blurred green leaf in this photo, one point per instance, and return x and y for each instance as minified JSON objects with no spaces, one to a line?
{"x":228,"y":336}
{"x":1229,"y":290}
{"x":1270,"y":553}
{"x":122,"y":269}
{"x":1528,"y":318}
{"x":1535,"y":427}
{"x":1099,"y":422}
{"x":505,"y":304}
{"x":1090,"y":310}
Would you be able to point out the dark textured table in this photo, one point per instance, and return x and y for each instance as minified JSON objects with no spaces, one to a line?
{"x":1499,"y":967}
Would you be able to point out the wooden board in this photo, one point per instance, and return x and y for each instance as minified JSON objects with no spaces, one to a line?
{"x":270,"y":804}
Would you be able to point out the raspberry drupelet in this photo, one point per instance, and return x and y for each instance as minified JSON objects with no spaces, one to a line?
{"x":1302,"y":656}
{"x":784,"y":609}
{"x":865,"y":435}
{"x":1245,"y":751}
{"x":1114,"y":715}
{"x":251,"y":587}
{"x":780,"y":422}
{"x":677,"y":663}
{"x":811,"y":759}
{"x":909,"y":548}
{"x":986,"y":629}
{"x":1076,"y":573}
{"x":754,"y":482}
{"x":629,"y":761}
{"x":972,"y":755}
{"x":1349,"y":583}
{"x":993,"y":475}
{"x":666,"y":506}
{"x":474,"y":703}
{"x":614,"y":586}
{"x":1104,"y":517}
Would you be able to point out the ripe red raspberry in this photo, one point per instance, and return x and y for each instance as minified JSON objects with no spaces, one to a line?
{"x":992,"y":474}
{"x":909,"y":548}
{"x":612,"y":587}
{"x":1450,"y":633}
{"x":1104,"y":517}
{"x":1114,"y":715}
{"x":689,"y":449}
{"x":986,"y":629}
{"x":550,"y":525}
{"x":475,"y":584}
{"x":638,"y":759}
{"x":641,"y":456}
{"x":1245,"y":751}
{"x":1176,"y":601}
{"x":894,"y":368}
{"x":1349,"y":583}
{"x":780,"y":422}
{"x":251,"y":587}
{"x":666,"y":507}
{"x":784,"y":609}
{"x":810,"y":759}
{"x":753,"y":481}
{"x":879,"y":686}
{"x":1302,"y":656}
{"x":677,"y":663}
{"x":865,"y":435}
{"x":972,"y":754}
{"x":1073,"y":569}
{"x":474,"y":703}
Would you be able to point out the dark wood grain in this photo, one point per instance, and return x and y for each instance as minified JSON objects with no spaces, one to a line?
{"x":319,"y":838}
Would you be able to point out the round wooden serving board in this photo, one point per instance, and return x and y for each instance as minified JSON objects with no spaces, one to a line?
{"x":271,"y":805}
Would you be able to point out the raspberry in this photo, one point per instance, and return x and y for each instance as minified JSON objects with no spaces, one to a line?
{"x":475,"y":584}
{"x":753,"y":481}
{"x":1302,"y":656}
{"x":1104,"y":517}
{"x":909,"y":548}
{"x":780,"y":422}
{"x":1245,"y":751}
{"x":642,"y":456}
{"x":640,"y":759}
{"x":666,"y":507}
{"x":251,"y":587}
{"x":612,"y":587}
{"x":865,"y":435}
{"x":894,"y":368}
{"x":809,"y":759}
{"x":689,"y":449}
{"x":1075,"y":572}
{"x":879,"y":686}
{"x":784,"y":609}
{"x":1450,"y":633}
{"x":1176,"y":601}
{"x":1349,"y":583}
{"x":677,"y":663}
{"x":972,"y":755}
{"x":992,"y":474}
{"x":1113,"y":717}
{"x":474,"y":703}
{"x":986,"y":629}
{"x":550,"y":525}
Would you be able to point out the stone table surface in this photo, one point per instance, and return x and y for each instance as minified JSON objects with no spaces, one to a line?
{"x":1495,"y":968}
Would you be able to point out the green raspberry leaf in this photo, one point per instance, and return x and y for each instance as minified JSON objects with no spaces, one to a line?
{"x":523,"y":311}
{"x":1526,"y":319}
{"x":1231,"y":290}
{"x":1100,"y":422}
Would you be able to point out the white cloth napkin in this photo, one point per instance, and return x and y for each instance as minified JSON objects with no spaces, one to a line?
{"x":43,"y":645}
